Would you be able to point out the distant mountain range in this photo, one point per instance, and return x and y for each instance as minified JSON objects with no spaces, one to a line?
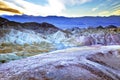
{"x":68,"y":22}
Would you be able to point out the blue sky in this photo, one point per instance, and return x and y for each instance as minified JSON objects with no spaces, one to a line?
{"x":68,"y":8}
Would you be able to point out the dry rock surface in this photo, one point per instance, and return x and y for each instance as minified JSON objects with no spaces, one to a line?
{"x":83,"y":63}
{"x":21,"y":40}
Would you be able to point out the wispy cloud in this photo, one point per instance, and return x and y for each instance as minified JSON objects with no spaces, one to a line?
{"x":5,"y":7}
{"x":94,"y":9}
{"x":74,"y":2}
{"x":60,"y":7}
{"x":116,"y":12}
{"x":53,"y":7}
{"x":108,"y":13}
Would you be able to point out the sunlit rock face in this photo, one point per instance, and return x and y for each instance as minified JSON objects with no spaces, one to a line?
{"x":100,"y":39}
{"x":86,"y":37}
{"x":17,"y":44}
{"x":96,"y":36}
{"x":85,"y":63}
{"x":20,"y":40}
{"x":22,"y":36}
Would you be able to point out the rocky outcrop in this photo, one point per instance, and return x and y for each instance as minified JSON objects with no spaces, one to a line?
{"x":22,"y":37}
{"x":99,"y":39}
{"x":42,"y":28}
{"x":86,"y":63}
{"x":2,"y":21}
{"x":96,"y":36}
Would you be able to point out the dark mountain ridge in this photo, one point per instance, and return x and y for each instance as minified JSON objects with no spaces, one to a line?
{"x":68,"y":22}
{"x":44,"y":28}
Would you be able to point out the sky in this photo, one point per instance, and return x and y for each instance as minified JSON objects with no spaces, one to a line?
{"x":67,"y":8}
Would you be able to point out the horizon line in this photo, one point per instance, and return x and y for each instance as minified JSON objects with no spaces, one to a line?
{"x":56,"y":16}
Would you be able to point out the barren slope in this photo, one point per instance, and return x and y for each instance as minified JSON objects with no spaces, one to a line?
{"x":85,"y":63}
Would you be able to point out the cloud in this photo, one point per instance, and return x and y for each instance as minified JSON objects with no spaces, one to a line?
{"x":10,"y":10}
{"x":116,"y":12}
{"x":108,"y":13}
{"x":74,"y":2}
{"x":94,"y":9}
{"x":4,"y":7}
{"x":53,"y":7}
